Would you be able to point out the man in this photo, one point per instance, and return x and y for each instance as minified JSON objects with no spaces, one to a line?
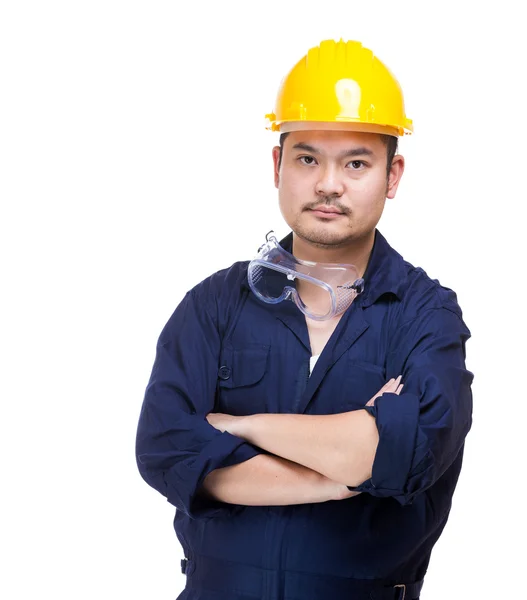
{"x":311,"y":448}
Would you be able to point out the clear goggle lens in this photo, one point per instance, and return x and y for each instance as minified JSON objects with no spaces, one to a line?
{"x":320,"y":290}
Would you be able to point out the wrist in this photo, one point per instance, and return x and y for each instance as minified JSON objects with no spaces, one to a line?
{"x":241,"y":427}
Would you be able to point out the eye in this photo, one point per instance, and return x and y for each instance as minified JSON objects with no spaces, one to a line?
{"x":356,"y":164}
{"x":307,"y":160}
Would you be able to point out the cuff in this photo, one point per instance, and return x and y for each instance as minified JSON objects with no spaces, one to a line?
{"x":397,"y":417}
{"x":224,"y":450}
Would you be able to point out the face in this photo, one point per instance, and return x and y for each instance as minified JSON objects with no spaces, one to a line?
{"x":332,"y":185}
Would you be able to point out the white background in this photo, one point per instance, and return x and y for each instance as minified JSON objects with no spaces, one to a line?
{"x":134,"y":163}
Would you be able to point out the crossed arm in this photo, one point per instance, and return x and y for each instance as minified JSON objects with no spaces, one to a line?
{"x":310,"y":458}
{"x":313,"y":457}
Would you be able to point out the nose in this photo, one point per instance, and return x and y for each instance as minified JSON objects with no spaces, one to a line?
{"x":329,"y":183}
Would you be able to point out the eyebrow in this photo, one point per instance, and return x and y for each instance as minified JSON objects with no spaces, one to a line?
{"x":360,"y":151}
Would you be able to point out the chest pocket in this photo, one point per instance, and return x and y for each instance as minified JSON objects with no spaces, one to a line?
{"x":361,"y":381}
{"x":242,"y":381}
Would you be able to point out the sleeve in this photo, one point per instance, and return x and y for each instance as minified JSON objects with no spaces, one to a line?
{"x":422,"y":431}
{"x":176,"y":447}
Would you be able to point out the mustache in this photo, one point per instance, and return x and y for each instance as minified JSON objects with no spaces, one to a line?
{"x":329,"y":201}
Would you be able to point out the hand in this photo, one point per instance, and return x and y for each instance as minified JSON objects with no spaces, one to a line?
{"x":224,"y":422}
{"x":393,"y":386}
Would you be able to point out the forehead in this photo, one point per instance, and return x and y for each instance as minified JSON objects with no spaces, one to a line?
{"x":334,"y":142}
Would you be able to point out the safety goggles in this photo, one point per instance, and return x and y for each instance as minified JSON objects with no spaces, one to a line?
{"x":320,"y":290}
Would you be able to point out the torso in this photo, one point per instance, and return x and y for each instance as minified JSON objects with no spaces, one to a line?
{"x":320,"y":332}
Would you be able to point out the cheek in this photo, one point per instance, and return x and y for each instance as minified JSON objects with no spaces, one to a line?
{"x":291,"y":195}
{"x":369,"y":194}
{"x":286,"y":202}
{"x":368,"y":204}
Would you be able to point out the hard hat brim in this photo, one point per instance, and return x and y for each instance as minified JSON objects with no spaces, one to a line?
{"x":289,"y":126}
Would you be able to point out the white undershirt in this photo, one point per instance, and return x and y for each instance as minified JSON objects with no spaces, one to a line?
{"x":312,"y":362}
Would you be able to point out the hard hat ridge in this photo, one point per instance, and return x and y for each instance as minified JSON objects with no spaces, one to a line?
{"x":340,"y":85}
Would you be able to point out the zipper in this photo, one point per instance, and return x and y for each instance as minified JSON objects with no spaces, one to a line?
{"x":303,"y":378}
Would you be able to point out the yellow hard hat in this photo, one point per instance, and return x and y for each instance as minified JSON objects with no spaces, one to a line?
{"x":340,"y":85}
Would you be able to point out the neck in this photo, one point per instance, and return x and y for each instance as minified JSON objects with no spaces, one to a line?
{"x":356,"y":253}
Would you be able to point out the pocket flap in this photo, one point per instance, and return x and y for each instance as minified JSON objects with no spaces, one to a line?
{"x":243,"y":366}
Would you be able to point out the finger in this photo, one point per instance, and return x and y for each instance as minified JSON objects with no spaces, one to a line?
{"x":392,"y":387}
{"x":388,"y":384}
{"x":398,"y":391}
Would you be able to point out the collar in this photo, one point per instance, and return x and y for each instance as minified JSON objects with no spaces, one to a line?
{"x":385,"y":272}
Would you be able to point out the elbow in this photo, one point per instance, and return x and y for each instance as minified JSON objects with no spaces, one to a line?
{"x":356,"y":477}
{"x":352,"y":472}
{"x":154,"y":479}
{"x":142,"y":468}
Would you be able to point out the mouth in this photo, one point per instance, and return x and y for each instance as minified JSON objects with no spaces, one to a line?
{"x":326,"y":212}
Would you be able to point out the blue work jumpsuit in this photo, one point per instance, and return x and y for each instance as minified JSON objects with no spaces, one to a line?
{"x":223,"y":350}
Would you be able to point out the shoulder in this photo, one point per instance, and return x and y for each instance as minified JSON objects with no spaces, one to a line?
{"x":427,"y":307}
{"x":420,"y":297}
{"x":429,"y":324}
{"x":404,"y":290}
{"x":222,"y":294}
{"x":222,"y":286}
{"x":421,"y":293}
{"x":210,"y":304}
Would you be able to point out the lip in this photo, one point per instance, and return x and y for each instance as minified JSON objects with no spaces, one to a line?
{"x":325,"y":212}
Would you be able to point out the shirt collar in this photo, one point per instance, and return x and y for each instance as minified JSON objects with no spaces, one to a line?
{"x":385,"y":272}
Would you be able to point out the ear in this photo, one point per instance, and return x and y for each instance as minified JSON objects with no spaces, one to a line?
{"x":396,"y":172}
{"x":276,"y":167}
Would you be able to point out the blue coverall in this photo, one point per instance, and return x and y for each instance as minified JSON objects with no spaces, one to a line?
{"x":223,"y":350}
